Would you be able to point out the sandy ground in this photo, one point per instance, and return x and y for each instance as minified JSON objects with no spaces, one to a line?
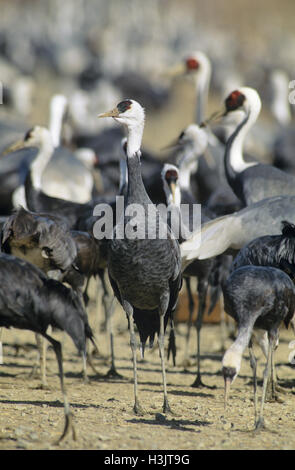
{"x":32,"y":418}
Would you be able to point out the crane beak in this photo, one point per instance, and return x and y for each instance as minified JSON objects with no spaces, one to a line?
{"x":172,"y":145}
{"x":113,"y":113}
{"x":215,"y":117}
{"x":20,"y":144}
{"x":175,"y":71}
{"x":227,"y":383}
{"x":173,"y":189}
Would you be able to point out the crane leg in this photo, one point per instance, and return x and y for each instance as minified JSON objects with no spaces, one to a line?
{"x":133,"y":343}
{"x":68,"y":414}
{"x":109,"y":309}
{"x":112,"y":373}
{"x":191,"y":306}
{"x":161,"y":337}
{"x":260,"y":422}
{"x":42,"y":348}
{"x":273,"y":388}
{"x":202,"y":292}
{"x":253,"y":364}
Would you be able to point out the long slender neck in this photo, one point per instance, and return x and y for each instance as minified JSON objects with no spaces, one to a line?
{"x":233,"y":355}
{"x":57,"y":111}
{"x":233,"y":158}
{"x":188,"y":164}
{"x":202,"y":82}
{"x":45,"y":151}
{"x":136,"y":189}
{"x":123,"y":177}
{"x":185,"y":176}
{"x":175,"y":220}
{"x":280,"y":105}
{"x":31,"y":194}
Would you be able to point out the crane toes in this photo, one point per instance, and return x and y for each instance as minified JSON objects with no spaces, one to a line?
{"x":113,"y":374}
{"x":260,"y":424}
{"x":69,"y":426}
{"x":198,"y":383}
{"x":43,"y":386}
{"x":166,"y":407}
{"x":138,"y":410}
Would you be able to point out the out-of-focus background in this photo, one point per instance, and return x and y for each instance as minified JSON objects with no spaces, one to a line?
{"x":99,"y":51}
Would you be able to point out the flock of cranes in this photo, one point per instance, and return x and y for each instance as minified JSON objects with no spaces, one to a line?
{"x":243,"y":249}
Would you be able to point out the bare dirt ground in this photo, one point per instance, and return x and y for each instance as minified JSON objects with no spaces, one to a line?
{"x":32,"y":418}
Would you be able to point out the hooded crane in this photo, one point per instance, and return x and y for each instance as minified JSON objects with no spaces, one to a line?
{"x":65,"y":175}
{"x":277,"y":251}
{"x":30,"y":300}
{"x":250,"y":181}
{"x":144,"y":269}
{"x":202,"y":270}
{"x":210,"y":177}
{"x":256,"y":297}
{"x":36,"y":199}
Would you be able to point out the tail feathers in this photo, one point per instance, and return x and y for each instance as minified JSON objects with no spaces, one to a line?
{"x":214,"y":239}
{"x":148,"y":324}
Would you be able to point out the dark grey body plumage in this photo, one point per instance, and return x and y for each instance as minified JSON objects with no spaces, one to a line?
{"x":143,"y":268}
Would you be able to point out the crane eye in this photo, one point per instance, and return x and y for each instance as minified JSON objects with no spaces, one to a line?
{"x":124,"y":106}
{"x":192,"y":64}
{"x":234,"y":101}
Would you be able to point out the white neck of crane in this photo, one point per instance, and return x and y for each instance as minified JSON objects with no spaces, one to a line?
{"x":56,"y":115}
{"x":236,"y":153}
{"x":134,"y":138}
{"x":45,"y":151}
{"x":202,"y":81}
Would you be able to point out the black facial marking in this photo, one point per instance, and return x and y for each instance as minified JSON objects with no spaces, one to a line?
{"x":28,"y":134}
{"x":234,"y":101}
{"x":181,"y":135}
{"x":124,"y":105}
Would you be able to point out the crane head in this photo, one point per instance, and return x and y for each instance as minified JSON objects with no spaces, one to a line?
{"x":128,"y":112}
{"x":193,"y":65}
{"x":244,"y":99}
{"x":32,"y":138}
{"x":231,"y":364}
{"x":234,"y":101}
{"x":170,"y":176}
